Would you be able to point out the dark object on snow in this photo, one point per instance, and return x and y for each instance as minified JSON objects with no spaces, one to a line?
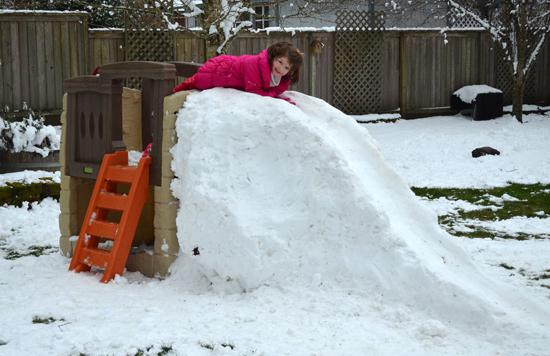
{"x":485,"y":106}
{"x":196,"y":251}
{"x":482,"y":151}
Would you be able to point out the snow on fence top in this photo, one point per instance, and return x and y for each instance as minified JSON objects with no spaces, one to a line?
{"x":43,"y":12}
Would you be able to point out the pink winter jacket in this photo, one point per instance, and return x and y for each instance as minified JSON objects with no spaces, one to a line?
{"x":250,"y":73}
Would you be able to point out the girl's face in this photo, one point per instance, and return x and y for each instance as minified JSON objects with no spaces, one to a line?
{"x":281,"y":66}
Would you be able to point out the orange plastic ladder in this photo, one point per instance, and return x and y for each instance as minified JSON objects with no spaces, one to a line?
{"x":95,"y":227}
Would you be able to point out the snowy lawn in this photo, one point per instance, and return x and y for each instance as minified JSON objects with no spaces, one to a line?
{"x":48,"y":311}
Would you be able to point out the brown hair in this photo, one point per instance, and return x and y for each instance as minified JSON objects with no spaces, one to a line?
{"x":295,"y":58}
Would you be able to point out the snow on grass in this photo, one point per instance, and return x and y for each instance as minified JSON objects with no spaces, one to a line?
{"x":518,"y":224}
{"x":28,"y":177}
{"x":446,"y":206}
{"x":32,"y":228}
{"x":521,"y":264}
{"x":436,"y":152}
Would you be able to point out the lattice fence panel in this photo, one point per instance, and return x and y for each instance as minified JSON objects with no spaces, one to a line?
{"x":358,"y":56}
{"x":146,"y":35}
{"x":150,"y":45}
{"x":458,"y":19}
{"x":505,"y":82}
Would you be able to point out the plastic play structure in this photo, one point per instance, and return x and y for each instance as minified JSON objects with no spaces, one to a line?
{"x":114,"y":215}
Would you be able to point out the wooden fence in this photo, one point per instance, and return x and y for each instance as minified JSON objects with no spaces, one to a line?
{"x":419,"y":71}
{"x":38,"y":51}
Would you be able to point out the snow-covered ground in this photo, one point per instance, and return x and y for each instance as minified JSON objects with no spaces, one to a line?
{"x":436,"y":151}
{"x":195,"y":312}
{"x":28,"y":177}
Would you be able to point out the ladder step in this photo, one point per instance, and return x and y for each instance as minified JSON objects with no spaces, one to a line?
{"x":103,"y":229}
{"x":95,"y":226}
{"x":95,"y":257}
{"x":121,"y":174}
{"x":112,"y":201}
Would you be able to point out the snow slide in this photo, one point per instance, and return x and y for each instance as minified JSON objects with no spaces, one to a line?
{"x":279,"y":195}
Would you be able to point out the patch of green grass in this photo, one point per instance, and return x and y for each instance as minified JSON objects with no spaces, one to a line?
{"x":528,"y":200}
{"x":12,"y":254}
{"x":15,"y":193}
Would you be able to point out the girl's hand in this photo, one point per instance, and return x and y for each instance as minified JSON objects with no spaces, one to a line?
{"x":287,"y":99}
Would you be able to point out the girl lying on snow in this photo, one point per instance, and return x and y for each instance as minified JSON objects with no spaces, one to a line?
{"x":268,"y":73}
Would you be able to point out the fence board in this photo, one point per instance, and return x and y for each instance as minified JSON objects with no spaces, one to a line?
{"x":50,"y":64}
{"x":24,"y":60}
{"x":71,"y":47}
{"x":7,"y":63}
{"x":3,"y":65}
{"x":58,"y":64}
{"x":41,"y":55}
{"x":33,"y":65}
{"x":15,"y":63}
{"x":390,"y":72}
{"x":64,"y":38}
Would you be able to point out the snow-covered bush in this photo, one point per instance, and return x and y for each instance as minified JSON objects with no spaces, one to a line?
{"x":28,"y":135}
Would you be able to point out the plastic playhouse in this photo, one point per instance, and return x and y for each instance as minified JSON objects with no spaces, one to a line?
{"x":127,"y":219}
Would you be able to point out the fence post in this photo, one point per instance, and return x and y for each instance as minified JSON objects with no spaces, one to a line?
{"x":315,"y":46}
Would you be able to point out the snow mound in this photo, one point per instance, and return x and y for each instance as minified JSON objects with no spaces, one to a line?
{"x":281,"y":195}
{"x":469,"y":93}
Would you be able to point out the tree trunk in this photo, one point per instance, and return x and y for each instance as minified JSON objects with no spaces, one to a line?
{"x":517,"y":99}
{"x":520,"y":76}
{"x":212,"y":12}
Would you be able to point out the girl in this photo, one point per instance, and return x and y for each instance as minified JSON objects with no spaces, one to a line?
{"x":268,"y":73}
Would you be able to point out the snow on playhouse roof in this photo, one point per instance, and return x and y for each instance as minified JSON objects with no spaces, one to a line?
{"x":282,"y":195}
{"x":469,"y":93}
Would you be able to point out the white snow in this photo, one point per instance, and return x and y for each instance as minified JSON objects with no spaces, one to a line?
{"x":376,"y":117}
{"x":28,"y":177}
{"x":20,"y":234}
{"x":293,"y":30}
{"x":46,"y":12}
{"x":444,"y":206}
{"x":373,"y":275}
{"x":512,"y":226}
{"x":300,"y":196}
{"x":436,"y":151}
{"x":527,"y":107}
{"x":469,"y":93}
{"x":29,"y":135}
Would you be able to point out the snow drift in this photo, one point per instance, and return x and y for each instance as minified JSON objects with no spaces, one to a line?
{"x":281,"y":195}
